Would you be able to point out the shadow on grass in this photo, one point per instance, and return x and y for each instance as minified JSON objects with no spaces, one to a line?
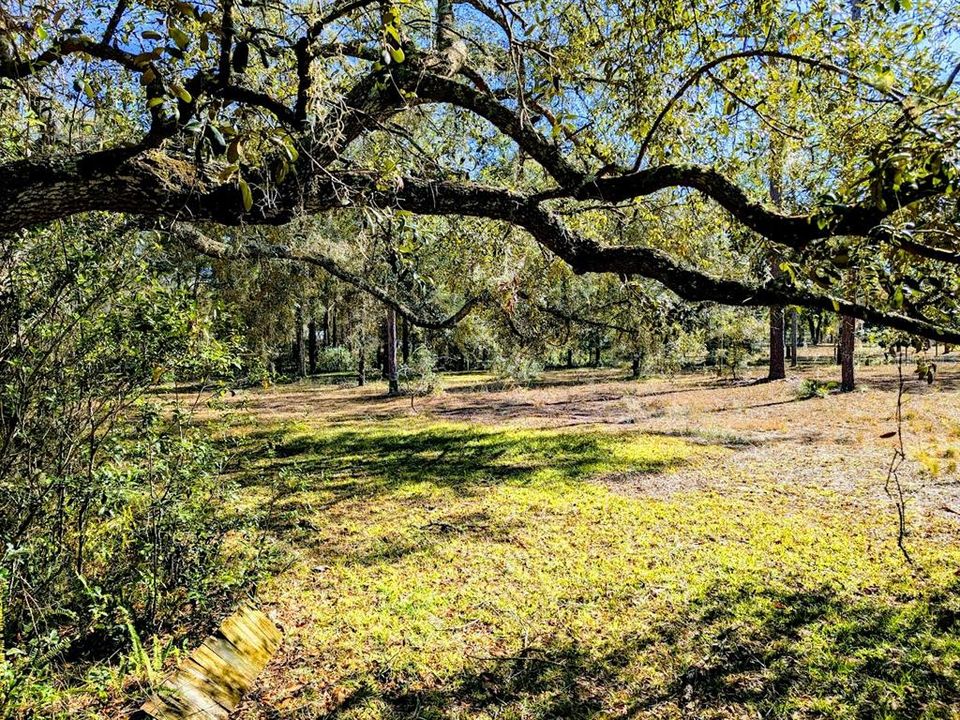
{"x":741,"y":652}
{"x":364,"y":462}
{"x":550,"y":379}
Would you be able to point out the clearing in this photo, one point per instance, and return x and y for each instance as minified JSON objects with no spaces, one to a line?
{"x":599,"y":547}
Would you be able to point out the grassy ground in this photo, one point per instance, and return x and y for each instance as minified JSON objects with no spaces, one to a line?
{"x":595,"y":547}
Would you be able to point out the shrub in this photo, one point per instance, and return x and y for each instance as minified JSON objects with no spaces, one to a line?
{"x":811,"y":388}
{"x":335,"y":359}
{"x":419,"y":376}
{"x":114,"y":521}
{"x":518,"y":367}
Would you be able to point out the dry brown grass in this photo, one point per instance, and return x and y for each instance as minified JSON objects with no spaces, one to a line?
{"x":430,"y":543}
{"x":833,"y":442}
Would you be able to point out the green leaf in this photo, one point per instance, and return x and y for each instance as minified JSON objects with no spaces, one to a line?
{"x":233,"y":151}
{"x":886,"y":80}
{"x":217,"y":142}
{"x":898,"y":297}
{"x":179,"y":37}
{"x":246,"y":194}
{"x":186,"y":9}
{"x":228,"y":172}
{"x":842,"y":259}
{"x":181,"y":92}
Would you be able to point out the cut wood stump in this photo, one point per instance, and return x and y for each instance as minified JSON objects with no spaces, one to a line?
{"x":212,"y":681}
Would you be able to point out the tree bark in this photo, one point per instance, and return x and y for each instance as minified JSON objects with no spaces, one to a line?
{"x":361,"y":358}
{"x":405,"y":339}
{"x":777,"y":370}
{"x":312,"y":345}
{"x":848,"y":327}
{"x":390,"y":352}
{"x":298,"y":346}
{"x":793,"y":337}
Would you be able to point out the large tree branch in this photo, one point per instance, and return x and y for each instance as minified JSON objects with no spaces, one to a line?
{"x":796,"y":231}
{"x":155,"y":185}
{"x":15,"y":69}
{"x":433,"y":88}
{"x":585,"y":255}
{"x":370,"y":102}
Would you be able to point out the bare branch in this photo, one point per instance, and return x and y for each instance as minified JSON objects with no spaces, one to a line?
{"x":191,"y":237}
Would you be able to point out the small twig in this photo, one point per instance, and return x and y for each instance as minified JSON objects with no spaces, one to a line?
{"x":892,"y":486}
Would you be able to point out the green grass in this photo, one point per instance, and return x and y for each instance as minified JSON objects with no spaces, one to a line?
{"x":441,"y":570}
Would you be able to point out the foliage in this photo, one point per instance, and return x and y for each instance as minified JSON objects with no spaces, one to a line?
{"x":525,"y":183}
{"x":521,"y":367}
{"x":335,"y":359}
{"x":643,"y":143}
{"x":419,"y":376}
{"x":113,"y":522}
{"x":811,"y":388}
{"x":733,"y":339}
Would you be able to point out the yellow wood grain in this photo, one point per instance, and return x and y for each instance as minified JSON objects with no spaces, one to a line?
{"x":216,"y":676}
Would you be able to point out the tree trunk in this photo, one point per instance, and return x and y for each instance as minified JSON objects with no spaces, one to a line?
{"x":793,"y":337}
{"x":326,"y":327}
{"x":298,"y":346}
{"x":390,"y":352}
{"x":815,"y":322}
{"x":569,"y":358}
{"x":635,"y":366}
{"x":361,"y":362}
{"x":848,"y":327}
{"x":405,"y":339}
{"x":312,"y":345}
{"x":778,"y":369}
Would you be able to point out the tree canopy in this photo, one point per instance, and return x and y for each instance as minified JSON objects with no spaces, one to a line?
{"x":638,"y":140}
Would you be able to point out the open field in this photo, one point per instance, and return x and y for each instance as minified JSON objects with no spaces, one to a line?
{"x":599,"y":547}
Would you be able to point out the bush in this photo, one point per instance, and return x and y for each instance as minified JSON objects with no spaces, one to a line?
{"x":335,"y":359}
{"x":518,"y":367}
{"x":419,"y":376}
{"x":115,"y":516}
{"x":811,"y":388}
